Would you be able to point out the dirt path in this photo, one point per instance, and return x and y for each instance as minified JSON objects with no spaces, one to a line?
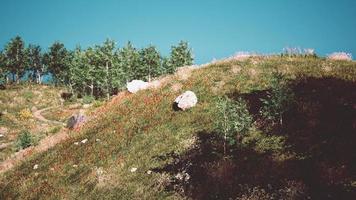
{"x":43,"y":145}
{"x":37,"y":114}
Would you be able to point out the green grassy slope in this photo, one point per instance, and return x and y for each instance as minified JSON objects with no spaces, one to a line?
{"x":139,"y":130}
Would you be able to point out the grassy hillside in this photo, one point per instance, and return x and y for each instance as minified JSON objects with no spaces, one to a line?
{"x":179,"y":155}
{"x":18,"y":105}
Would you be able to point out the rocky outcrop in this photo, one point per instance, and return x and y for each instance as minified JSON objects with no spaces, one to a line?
{"x":185,"y":101}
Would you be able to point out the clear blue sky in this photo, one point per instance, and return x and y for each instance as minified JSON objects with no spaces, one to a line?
{"x":214,"y":28}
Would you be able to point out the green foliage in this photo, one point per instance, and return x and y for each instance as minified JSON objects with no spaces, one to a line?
{"x":35,"y":62}
{"x":88,"y":99}
{"x":278,"y":101}
{"x":130,"y":62}
{"x":234,"y":119}
{"x":3,"y":69}
{"x":24,"y":140}
{"x":181,"y":55}
{"x":100,"y":70}
{"x":150,"y":63}
{"x":57,"y":60}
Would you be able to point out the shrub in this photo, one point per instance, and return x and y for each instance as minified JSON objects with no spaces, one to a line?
{"x":97,"y":104}
{"x":24,"y":140}
{"x":278,"y":100}
{"x":54,"y":130}
{"x":340,"y":56}
{"x":88,"y":99}
{"x":233,"y":121}
{"x":264,"y":143}
{"x":298,"y":52}
{"x":28,"y":95}
{"x":25,"y":114}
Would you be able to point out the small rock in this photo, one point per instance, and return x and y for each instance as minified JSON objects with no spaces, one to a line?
{"x":84,"y":141}
{"x":76,"y":143}
{"x":137,"y":85}
{"x":185,"y":101}
{"x":1,"y":135}
{"x":75,"y":166}
{"x":134,"y":169}
{"x":149,"y":172}
{"x":35,"y":167}
{"x":98,"y":140}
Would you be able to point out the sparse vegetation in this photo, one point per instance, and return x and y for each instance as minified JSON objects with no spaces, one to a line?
{"x":278,"y":101}
{"x":24,"y":140}
{"x":233,"y":120}
{"x":25,"y":114}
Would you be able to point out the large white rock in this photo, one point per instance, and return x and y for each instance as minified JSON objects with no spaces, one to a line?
{"x":186,"y":100}
{"x":137,"y":85}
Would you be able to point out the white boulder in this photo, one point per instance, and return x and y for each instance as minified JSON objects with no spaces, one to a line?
{"x":137,"y":85}
{"x":186,"y":100}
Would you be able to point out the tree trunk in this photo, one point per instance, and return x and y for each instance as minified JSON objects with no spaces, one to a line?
{"x":17,"y":78}
{"x":92,"y":88}
{"x":39,"y":81}
{"x":149,"y":73}
{"x":107,"y":81}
